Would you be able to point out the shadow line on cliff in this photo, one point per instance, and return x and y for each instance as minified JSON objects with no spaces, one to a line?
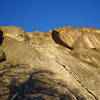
{"x":1,"y":37}
{"x":56,"y":38}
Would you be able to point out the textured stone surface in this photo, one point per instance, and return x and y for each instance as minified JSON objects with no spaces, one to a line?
{"x":14,"y":32}
{"x":2,"y":56}
{"x":63,"y":64}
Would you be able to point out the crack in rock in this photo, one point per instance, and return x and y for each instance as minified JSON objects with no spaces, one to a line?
{"x":75,"y":78}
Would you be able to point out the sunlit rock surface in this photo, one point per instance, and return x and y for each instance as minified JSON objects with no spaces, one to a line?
{"x":63,"y":64}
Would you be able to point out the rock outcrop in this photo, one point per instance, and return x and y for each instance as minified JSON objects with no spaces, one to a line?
{"x":63,"y":64}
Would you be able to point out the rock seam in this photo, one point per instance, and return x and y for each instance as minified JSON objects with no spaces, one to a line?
{"x":76,"y":79}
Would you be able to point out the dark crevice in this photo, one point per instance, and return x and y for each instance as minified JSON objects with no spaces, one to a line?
{"x":56,"y":38}
{"x":1,"y":37}
{"x":94,"y":48}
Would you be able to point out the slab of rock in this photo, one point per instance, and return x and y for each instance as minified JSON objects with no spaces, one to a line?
{"x":51,"y":66}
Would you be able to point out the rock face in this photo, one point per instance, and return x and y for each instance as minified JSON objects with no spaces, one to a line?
{"x":37,"y":38}
{"x":14,"y":32}
{"x":2,"y":56}
{"x":63,"y":64}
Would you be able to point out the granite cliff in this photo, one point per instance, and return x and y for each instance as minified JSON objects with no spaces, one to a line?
{"x":63,"y":64}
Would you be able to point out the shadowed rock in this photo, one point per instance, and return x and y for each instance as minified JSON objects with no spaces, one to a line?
{"x":56,"y":38}
{"x":2,"y":56}
{"x":1,"y":37}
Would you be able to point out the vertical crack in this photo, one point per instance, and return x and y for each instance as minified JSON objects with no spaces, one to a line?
{"x":76,"y":78}
{"x":1,"y":37}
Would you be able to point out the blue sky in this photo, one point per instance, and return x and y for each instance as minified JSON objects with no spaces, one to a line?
{"x":45,"y":15}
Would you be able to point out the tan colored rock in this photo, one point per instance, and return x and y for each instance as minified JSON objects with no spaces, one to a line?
{"x":66,"y":36}
{"x":95,"y":31}
{"x":90,"y":29}
{"x":66,"y":28}
{"x":86,"y":48}
{"x":48,"y":69}
{"x":40,"y":38}
{"x":87,"y":40}
{"x":14,"y":32}
{"x":42,"y":75}
{"x":90,"y":56}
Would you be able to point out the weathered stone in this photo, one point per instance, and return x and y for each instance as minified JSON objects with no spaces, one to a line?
{"x":60,"y":65}
{"x":14,"y":32}
{"x":2,"y":56}
{"x":40,"y":38}
{"x":95,"y":31}
{"x":66,"y":36}
{"x":87,"y":40}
